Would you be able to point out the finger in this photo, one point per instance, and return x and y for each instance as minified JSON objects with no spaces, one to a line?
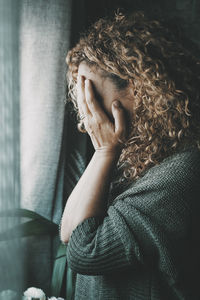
{"x":81,"y":101}
{"x":119,"y":118}
{"x":93,"y":105}
{"x":80,"y":94}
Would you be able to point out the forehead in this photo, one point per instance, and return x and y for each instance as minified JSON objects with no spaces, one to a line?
{"x":91,"y":72}
{"x":84,"y":68}
{"x":100,"y":81}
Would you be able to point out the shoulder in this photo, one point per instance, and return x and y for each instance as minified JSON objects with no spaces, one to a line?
{"x":167,"y":194}
{"x":183,"y":166}
{"x":187,"y":160}
{"x":178,"y":173}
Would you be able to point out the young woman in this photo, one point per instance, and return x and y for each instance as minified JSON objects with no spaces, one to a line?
{"x":131,"y":222}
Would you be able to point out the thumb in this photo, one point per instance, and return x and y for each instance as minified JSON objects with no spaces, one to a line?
{"x":119,"y":117}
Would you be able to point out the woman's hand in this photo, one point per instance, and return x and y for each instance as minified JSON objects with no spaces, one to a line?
{"x":106,"y":136}
{"x":89,"y":197}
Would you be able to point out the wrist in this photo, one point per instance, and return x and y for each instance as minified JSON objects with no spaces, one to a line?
{"x":109,"y":154}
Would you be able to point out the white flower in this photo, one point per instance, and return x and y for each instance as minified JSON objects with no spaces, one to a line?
{"x":8,"y":295}
{"x":35,"y":293}
{"x":54,"y":298}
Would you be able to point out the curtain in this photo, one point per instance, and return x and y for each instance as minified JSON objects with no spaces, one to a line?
{"x":11,"y":275}
{"x":44,"y":42}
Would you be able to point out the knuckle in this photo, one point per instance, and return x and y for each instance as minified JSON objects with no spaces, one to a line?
{"x":96,"y":119}
{"x":90,"y":130}
{"x":90,"y":125}
{"x":94,"y":124}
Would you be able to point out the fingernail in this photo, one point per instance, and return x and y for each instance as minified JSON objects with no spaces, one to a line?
{"x":117,"y":103}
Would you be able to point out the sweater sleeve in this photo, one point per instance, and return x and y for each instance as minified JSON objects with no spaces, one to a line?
{"x":148,"y":224}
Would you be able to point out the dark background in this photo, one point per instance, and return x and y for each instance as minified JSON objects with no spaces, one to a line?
{"x":184,"y":12}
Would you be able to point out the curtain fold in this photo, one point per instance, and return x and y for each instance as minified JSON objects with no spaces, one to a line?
{"x":44,"y":43}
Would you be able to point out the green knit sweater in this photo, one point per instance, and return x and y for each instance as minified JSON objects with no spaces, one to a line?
{"x":146,"y":247}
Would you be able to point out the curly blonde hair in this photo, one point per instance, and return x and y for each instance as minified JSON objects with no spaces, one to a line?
{"x":166,"y":81}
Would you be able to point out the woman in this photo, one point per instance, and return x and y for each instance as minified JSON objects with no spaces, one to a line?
{"x":131,"y":222}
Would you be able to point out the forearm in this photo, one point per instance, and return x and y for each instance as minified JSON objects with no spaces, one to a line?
{"x":89,"y":197}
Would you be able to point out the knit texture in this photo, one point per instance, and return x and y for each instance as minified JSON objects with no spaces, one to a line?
{"x":146,"y":247}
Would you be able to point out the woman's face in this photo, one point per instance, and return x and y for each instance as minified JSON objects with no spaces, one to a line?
{"x":106,"y":91}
